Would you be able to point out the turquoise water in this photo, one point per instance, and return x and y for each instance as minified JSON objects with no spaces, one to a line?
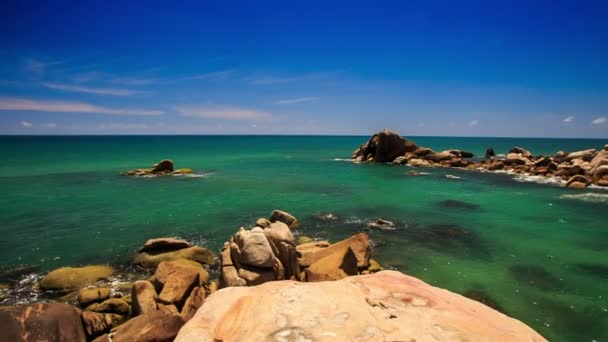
{"x":537,"y":252}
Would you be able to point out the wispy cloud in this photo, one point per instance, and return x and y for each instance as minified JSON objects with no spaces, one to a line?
{"x":88,"y":76}
{"x":69,"y":107}
{"x":210,"y":76}
{"x":296,"y":100}
{"x":37,"y":67}
{"x":568,"y":119}
{"x":135,"y":81}
{"x":25,"y":124}
{"x":264,"y":79}
{"x":474,"y":123}
{"x":599,"y":121}
{"x":50,"y":125}
{"x":90,"y":90}
{"x":226,"y":113}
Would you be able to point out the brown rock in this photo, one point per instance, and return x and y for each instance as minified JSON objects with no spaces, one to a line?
{"x":74,"y":277}
{"x":516,"y":158}
{"x":285,"y":217}
{"x":163,"y":166}
{"x":178,"y":287}
{"x":167,"y":268}
{"x":164,"y":245}
{"x":577,"y":181}
{"x":262,"y":223}
{"x":359,"y":243}
{"x":416,"y":162}
{"x":112,"y":305}
{"x":52,"y":322}
{"x":96,"y":324}
{"x":195,"y":301}
{"x":168,"y":309}
{"x":385,"y":306}
{"x":585,"y":154}
{"x":524,"y":153}
{"x":93,"y":295}
{"x":250,"y":247}
{"x":258,"y":276}
{"x":384,"y":147}
{"x":229,"y":275}
{"x":422,"y":151}
{"x":490,"y":153}
{"x":437,"y":157}
{"x":151,"y":327}
{"x":195,"y":253}
{"x":143,"y":297}
{"x":333,"y":267}
{"x":213,"y":286}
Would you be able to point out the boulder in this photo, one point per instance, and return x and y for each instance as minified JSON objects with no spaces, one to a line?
{"x":256,"y":276}
{"x":112,"y":305}
{"x":578,"y":182}
{"x":262,"y":223}
{"x":67,"y":278}
{"x":194,"y":301}
{"x":285,"y":217}
{"x":516,"y":158}
{"x":250,"y":247}
{"x":333,"y":267}
{"x":195,"y":253}
{"x":600,"y":159}
{"x":385,"y":306}
{"x":518,"y":150}
{"x":284,"y":248}
{"x":422,"y":151}
{"x":167,"y":268}
{"x":585,"y":154}
{"x":93,"y":295}
{"x":384,"y":147}
{"x":52,"y":322}
{"x":381,"y":224}
{"x":178,"y":286}
{"x":163,"y":166}
{"x":184,"y":171}
{"x":490,"y":153}
{"x":96,"y":324}
{"x":359,"y":243}
{"x":400,"y":160}
{"x":416,"y":162}
{"x":438,"y":157}
{"x":229,"y":275}
{"x":168,"y":308}
{"x":151,"y":327}
{"x":164,"y":245}
{"x":143,"y":297}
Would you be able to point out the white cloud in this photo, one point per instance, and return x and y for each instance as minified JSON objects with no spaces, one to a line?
{"x":599,"y":121}
{"x":88,"y":90}
{"x":25,"y":124}
{"x":210,"y":76}
{"x":568,"y":119}
{"x":227,"y":113}
{"x":68,"y":107}
{"x":50,"y":125}
{"x":37,"y":67}
{"x":474,"y":123}
{"x":296,"y":100}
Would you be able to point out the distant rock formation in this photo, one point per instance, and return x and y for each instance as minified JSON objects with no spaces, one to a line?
{"x":577,"y":169}
{"x":162,"y":168}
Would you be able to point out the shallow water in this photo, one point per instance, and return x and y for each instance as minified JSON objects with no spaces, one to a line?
{"x":537,"y":252}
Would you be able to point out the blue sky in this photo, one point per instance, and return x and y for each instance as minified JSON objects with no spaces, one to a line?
{"x":462,"y":68}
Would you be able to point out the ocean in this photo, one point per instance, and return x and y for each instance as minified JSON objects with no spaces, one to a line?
{"x":537,"y":252}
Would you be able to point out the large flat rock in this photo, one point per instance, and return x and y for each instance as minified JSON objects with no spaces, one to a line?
{"x":385,"y":306}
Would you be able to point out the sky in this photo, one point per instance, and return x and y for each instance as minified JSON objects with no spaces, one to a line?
{"x":450,"y":68}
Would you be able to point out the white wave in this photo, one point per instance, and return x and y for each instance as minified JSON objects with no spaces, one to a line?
{"x":452,"y":177}
{"x":538,"y":179}
{"x":590,"y":197}
{"x":343,"y":159}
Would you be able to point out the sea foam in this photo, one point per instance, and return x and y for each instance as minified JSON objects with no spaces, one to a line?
{"x":590,"y":197}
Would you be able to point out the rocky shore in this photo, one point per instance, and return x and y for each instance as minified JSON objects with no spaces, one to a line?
{"x":269,"y":286}
{"x":578,"y":169}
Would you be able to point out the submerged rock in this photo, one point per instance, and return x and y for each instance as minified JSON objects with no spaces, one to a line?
{"x":381,"y":224}
{"x":53,"y":322}
{"x":456,"y":204}
{"x":378,"y":307}
{"x":164,"y":245}
{"x":66,"y":278}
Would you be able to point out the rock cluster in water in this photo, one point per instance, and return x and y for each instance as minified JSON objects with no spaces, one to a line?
{"x":328,"y":290}
{"x":162,"y":168}
{"x":577,"y":169}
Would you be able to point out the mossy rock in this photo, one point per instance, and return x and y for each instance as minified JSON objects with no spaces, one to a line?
{"x":195,"y":253}
{"x":70,"y":278}
{"x":304,"y":239}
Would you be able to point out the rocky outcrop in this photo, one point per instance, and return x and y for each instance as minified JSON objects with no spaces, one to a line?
{"x":93,"y":295}
{"x":313,"y":252}
{"x":285,"y":217}
{"x":385,"y":306}
{"x":563,"y":166}
{"x":383,"y":147}
{"x":96,"y":324}
{"x":143,"y":297}
{"x":112,"y":305}
{"x":53,"y":322}
{"x":70,"y":278}
{"x":164,"y":167}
